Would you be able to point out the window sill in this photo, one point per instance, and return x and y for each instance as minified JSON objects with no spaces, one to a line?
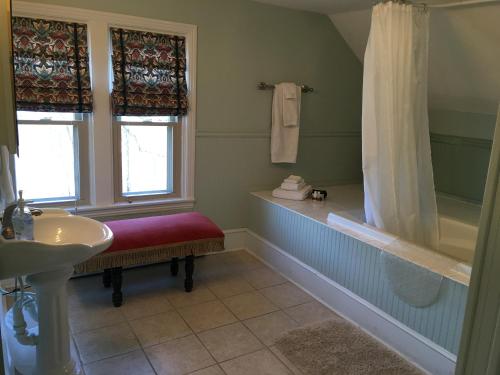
{"x":135,"y":208}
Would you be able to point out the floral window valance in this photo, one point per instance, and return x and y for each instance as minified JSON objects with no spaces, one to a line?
{"x":149,"y":72}
{"x":51,"y":66}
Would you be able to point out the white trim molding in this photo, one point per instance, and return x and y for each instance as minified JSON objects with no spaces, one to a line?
{"x":135,"y":208}
{"x":416,"y":348}
{"x":266,"y":135}
{"x":101,"y":135}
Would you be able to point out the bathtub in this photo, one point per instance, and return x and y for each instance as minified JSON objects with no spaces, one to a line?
{"x":357,"y":260}
{"x":458,"y":222}
{"x":457,"y":239}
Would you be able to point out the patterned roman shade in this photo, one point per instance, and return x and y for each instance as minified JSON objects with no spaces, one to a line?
{"x":51,"y":66}
{"x":149,"y":72}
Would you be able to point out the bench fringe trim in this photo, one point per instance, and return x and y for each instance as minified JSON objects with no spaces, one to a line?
{"x":149,"y":255}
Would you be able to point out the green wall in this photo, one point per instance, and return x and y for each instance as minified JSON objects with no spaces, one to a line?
{"x":461,"y":147}
{"x":240,"y":43}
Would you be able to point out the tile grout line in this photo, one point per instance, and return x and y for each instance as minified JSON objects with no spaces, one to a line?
{"x":198,"y":338}
{"x":264,"y":346}
{"x":242,"y":322}
{"x":142,"y":348}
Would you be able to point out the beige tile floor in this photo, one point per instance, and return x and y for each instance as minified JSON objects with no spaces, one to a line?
{"x":227,"y":325}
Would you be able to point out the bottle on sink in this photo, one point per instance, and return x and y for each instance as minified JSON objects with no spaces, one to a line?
{"x":22,"y":220}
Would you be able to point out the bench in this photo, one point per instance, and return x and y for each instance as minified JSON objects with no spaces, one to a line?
{"x":152,"y":240}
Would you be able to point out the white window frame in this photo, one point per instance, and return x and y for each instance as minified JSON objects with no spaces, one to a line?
{"x":81,"y":151}
{"x":173,"y":164}
{"x":101,"y":163}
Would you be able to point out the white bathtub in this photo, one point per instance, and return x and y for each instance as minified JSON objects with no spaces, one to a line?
{"x":457,"y":239}
{"x":453,"y":258}
{"x":457,"y":222}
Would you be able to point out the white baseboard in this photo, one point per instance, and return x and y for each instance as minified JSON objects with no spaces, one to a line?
{"x":235,"y":239}
{"x":411,"y":345}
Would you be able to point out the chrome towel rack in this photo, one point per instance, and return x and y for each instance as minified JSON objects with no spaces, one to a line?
{"x":267,"y":86}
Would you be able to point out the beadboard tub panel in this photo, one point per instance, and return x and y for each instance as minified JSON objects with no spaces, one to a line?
{"x":357,"y":266}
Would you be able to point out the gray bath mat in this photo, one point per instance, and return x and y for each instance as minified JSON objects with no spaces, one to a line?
{"x":336,"y":347}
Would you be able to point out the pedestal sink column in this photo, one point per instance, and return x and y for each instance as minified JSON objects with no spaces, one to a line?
{"x":53,"y":351}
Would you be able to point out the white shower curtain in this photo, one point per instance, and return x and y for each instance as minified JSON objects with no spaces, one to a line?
{"x":397,"y":167}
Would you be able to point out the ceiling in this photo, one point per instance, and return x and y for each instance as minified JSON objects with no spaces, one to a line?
{"x":322,"y":6}
{"x":337,"y":6}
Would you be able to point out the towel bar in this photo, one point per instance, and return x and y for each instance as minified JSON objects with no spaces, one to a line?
{"x":267,"y":86}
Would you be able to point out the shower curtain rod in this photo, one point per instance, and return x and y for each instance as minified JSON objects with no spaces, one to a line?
{"x":445,"y":5}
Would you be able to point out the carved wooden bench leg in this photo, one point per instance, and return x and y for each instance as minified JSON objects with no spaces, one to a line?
{"x":174,"y":266}
{"x":116,"y":280}
{"x":106,"y":278}
{"x":188,"y":283}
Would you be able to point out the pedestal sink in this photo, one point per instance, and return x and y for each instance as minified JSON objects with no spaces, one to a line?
{"x":61,"y":241}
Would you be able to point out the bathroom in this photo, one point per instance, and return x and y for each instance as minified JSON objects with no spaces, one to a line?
{"x":300,"y":261}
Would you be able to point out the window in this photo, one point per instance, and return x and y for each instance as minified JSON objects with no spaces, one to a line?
{"x":51,"y":165}
{"x":120,"y":139}
{"x":145,"y":163}
{"x":149,"y":96}
{"x":53,"y":97}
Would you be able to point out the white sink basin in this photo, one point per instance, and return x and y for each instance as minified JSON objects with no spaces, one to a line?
{"x":61,"y":240}
{"x":68,"y":230}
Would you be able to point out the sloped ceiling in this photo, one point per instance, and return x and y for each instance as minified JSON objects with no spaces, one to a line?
{"x":322,"y":6}
{"x":336,"y":6}
{"x":464,"y":55}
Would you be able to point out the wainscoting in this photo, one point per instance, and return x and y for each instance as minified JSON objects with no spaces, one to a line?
{"x":460,"y":165}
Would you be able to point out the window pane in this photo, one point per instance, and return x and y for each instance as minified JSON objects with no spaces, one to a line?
{"x":145,"y":161}
{"x":50,"y":116}
{"x":160,"y":119}
{"x":45,"y":168}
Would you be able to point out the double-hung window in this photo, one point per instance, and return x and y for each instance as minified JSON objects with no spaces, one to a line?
{"x":54,"y":102}
{"x":102,"y":111}
{"x":53,"y":162}
{"x":149,"y":97}
{"x":146,"y":156}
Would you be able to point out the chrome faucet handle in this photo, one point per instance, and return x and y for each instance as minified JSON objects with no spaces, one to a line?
{"x":7,"y":226}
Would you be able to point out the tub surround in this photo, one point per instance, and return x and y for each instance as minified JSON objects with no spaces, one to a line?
{"x":352,"y":266}
{"x":346,"y":201}
{"x":347,"y":266}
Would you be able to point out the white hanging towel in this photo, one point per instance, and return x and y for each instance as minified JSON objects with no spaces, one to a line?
{"x":285,"y":123}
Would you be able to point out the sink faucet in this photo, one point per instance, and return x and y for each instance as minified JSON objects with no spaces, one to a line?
{"x":7,"y":227}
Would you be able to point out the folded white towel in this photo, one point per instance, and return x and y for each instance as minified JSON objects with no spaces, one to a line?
{"x":293,"y":195}
{"x":291,"y":104}
{"x":294,"y":179}
{"x":293,"y":186}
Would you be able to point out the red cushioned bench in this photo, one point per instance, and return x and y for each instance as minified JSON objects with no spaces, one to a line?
{"x":151,"y":240}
